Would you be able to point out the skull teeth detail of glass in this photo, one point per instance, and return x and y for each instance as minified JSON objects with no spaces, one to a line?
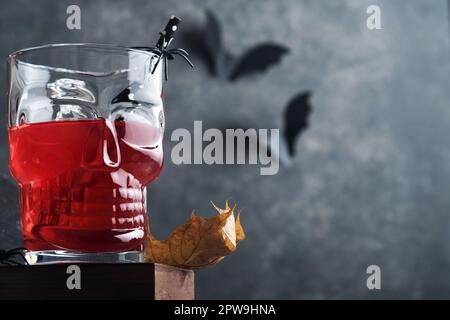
{"x":86,"y":124}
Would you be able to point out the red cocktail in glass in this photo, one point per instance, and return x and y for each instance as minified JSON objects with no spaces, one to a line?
{"x":85,"y":135}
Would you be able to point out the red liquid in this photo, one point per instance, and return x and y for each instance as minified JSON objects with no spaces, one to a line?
{"x":82,"y":183}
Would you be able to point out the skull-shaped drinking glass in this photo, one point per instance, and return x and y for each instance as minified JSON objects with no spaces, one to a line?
{"x":85,"y":133}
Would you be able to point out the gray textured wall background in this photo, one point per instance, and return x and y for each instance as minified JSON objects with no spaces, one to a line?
{"x":371,"y":181}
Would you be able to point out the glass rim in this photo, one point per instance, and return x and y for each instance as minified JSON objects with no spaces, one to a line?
{"x":15,"y":56}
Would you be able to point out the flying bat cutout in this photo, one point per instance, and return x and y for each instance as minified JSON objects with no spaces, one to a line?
{"x":295,"y":122}
{"x":206,"y":44}
{"x":296,"y":117}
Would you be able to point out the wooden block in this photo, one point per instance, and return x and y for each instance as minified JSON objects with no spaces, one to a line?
{"x":173,"y":283}
{"x":98,"y":281}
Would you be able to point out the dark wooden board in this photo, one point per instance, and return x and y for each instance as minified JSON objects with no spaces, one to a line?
{"x":98,"y":281}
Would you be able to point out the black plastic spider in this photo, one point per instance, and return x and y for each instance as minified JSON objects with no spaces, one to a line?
{"x":7,"y":257}
{"x":165,"y":39}
{"x":166,"y":55}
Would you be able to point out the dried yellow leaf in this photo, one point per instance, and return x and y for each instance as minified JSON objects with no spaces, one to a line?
{"x":240,"y":234}
{"x":199,"y":242}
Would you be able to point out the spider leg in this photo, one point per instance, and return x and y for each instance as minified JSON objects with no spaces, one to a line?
{"x":13,"y":263}
{"x":179,"y":50}
{"x":23,"y":258}
{"x":7,"y":257}
{"x":15,"y":251}
{"x":148,"y":49}
{"x":18,"y":254}
{"x":186,"y":59}
{"x":156,"y":51}
{"x":156,"y":64}
{"x":166,"y":68}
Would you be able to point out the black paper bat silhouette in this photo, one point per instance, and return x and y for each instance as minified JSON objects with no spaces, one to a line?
{"x":295,"y":122}
{"x":296,"y":117}
{"x":207,"y":44}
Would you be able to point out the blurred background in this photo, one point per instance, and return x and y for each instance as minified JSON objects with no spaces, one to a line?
{"x":369,"y":183}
